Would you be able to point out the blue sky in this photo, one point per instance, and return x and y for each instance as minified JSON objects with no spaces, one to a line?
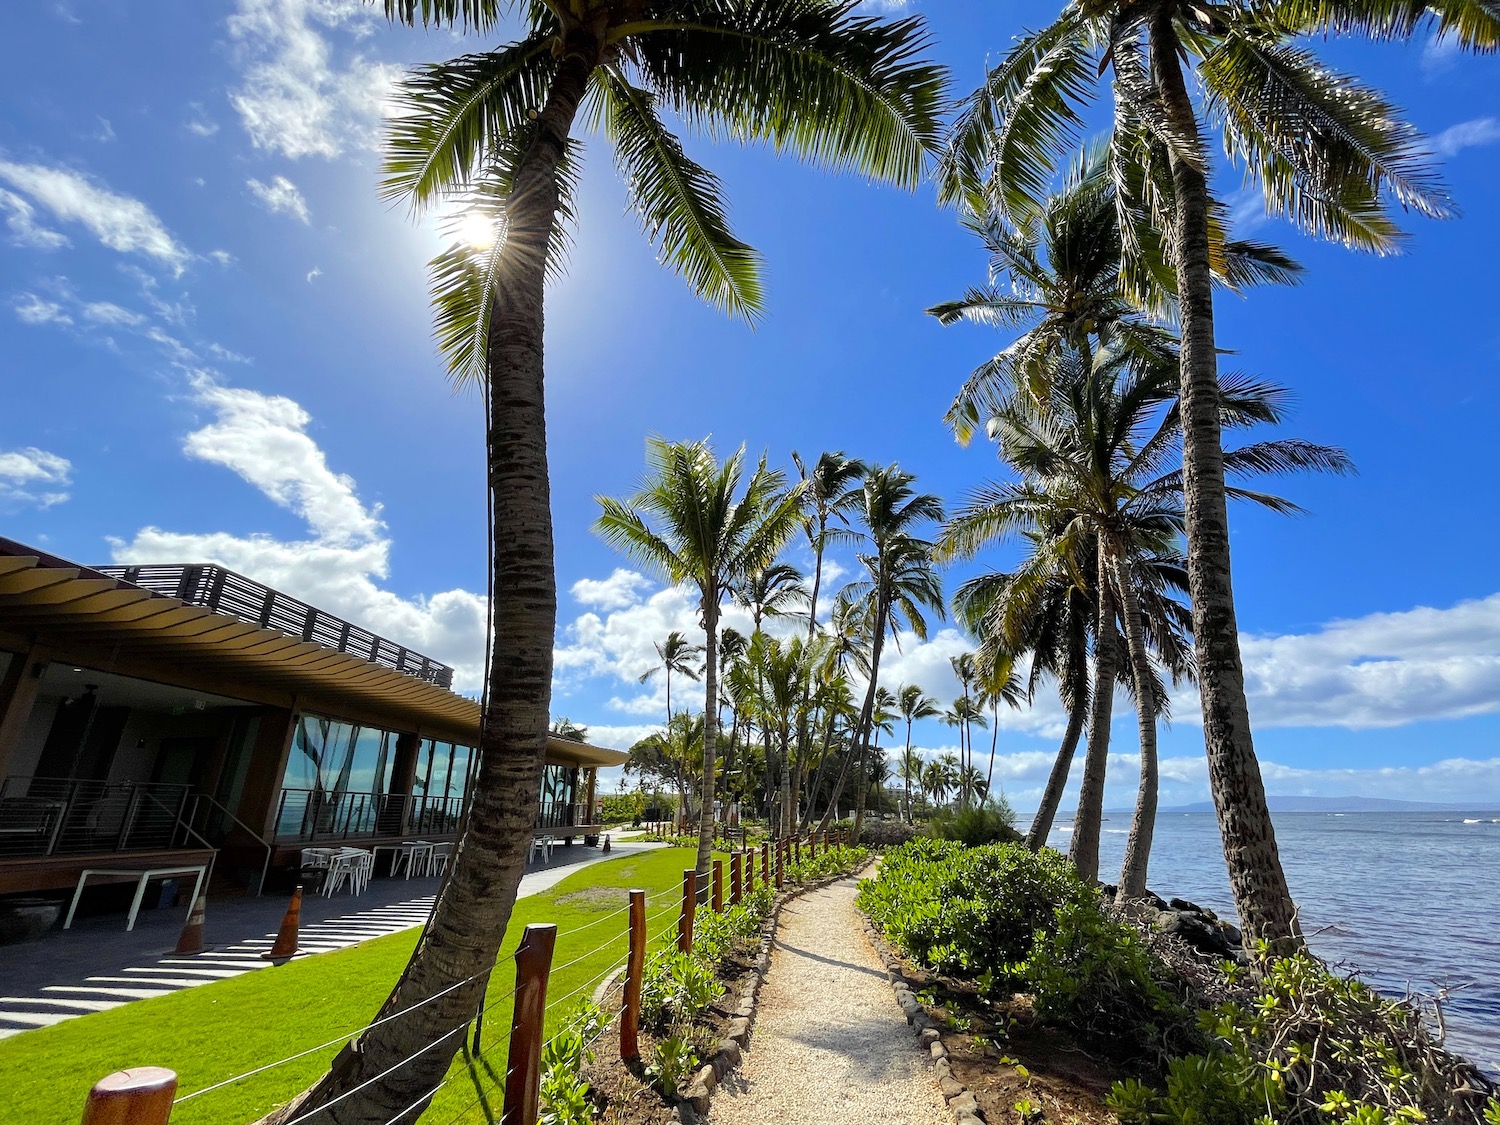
{"x":216,"y":345}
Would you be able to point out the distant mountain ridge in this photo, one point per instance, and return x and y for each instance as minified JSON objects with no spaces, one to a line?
{"x":1290,"y":803}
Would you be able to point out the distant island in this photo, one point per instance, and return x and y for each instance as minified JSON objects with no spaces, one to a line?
{"x":1344,"y":804}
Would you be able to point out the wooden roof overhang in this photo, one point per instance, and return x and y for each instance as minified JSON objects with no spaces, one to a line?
{"x":91,"y":619}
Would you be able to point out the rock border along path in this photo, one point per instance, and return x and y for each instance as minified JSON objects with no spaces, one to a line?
{"x":827,"y":1041}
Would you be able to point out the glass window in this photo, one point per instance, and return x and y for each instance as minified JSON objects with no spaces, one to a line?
{"x":458,"y":778}
{"x":367,"y":773}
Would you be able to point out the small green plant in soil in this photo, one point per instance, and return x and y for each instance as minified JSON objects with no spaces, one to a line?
{"x":564,"y":1092}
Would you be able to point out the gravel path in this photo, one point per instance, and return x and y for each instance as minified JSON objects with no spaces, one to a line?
{"x":829,"y":1041}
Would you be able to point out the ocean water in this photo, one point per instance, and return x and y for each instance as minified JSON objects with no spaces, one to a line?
{"x":1408,"y":900}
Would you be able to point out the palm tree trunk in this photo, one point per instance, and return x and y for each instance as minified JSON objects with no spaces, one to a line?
{"x":989,"y":776}
{"x":1084,"y":849}
{"x":786,"y":782}
{"x":410,"y":1054}
{"x":710,"y":738}
{"x":812,"y":794}
{"x":1260,"y":890}
{"x":1143,"y":824}
{"x":1057,"y":781}
{"x":867,"y":710}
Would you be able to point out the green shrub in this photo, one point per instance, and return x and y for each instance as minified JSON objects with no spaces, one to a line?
{"x":1093,"y":975}
{"x":619,"y":808}
{"x":887,"y":833}
{"x":991,"y":823}
{"x":970,"y":912}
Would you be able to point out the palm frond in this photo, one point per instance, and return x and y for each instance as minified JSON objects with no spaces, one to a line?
{"x":1473,"y":24}
{"x":680,"y":203}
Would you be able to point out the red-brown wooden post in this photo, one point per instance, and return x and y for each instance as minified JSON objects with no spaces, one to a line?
{"x":797,"y":850}
{"x":718,"y":892}
{"x":523,"y":1067}
{"x":141,"y":1095}
{"x":749,"y":870}
{"x":689,"y":905}
{"x":734,"y":879}
{"x":635,"y":963}
{"x":779,"y":850}
{"x":812,"y":845}
{"x":765,"y":863}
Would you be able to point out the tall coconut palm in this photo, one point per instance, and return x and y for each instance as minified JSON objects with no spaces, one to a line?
{"x":1331,"y":155}
{"x":998,"y":683}
{"x":902,"y":582}
{"x":913,"y":704}
{"x":830,"y":491}
{"x":1097,"y":464}
{"x":939,"y":777}
{"x":690,"y":523}
{"x":819,"y":80}
{"x":964,"y":715}
{"x":780,"y":670}
{"x":771,"y":591}
{"x":677,"y":654}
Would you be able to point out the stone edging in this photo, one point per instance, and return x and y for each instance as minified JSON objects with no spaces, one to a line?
{"x":727,"y":1056}
{"x":963,"y":1104}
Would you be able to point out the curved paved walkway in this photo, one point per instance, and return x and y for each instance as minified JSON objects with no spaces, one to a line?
{"x":829,"y":1041}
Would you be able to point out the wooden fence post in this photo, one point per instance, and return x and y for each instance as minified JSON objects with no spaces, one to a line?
{"x":630,"y":1019}
{"x":765,"y":863}
{"x":797,"y":850}
{"x":141,"y":1095}
{"x":523,"y":1066}
{"x":749,"y":870}
{"x":689,"y":905}
{"x":812,"y":845}
{"x":779,"y":849}
{"x":734,"y":879}
{"x":718,"y":883}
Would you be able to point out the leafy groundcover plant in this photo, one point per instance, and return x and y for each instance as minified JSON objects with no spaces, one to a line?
{"x":1283,"y":1041}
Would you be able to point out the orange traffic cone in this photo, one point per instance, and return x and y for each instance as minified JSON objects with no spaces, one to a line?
{"x":286,"y":938}
{"x":191,"y":940}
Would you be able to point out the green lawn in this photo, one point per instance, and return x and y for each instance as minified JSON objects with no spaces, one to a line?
{"x":216,"y":1031}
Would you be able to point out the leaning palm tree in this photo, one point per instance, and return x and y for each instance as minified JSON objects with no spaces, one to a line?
{"x":495,"y":129}
{"x":902,"y":582}
{"x":913,"y":704}
{"x":1097,"y":463}
{"x":1331,"y":155}
{"x":690,"y":523}
{"x":677,"y":654}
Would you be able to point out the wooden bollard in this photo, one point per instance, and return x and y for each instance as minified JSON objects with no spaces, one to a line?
{"x":749,"y":870}
{"x":635,"y":963}
{"x":718,"y":886}
{"x":141,"y":1095}
{"x":734,"y":879}
{"x":765,"y":863}
{"x":689,"y":905}
{"x":523,"y":1065}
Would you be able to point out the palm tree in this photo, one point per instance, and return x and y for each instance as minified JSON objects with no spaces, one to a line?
{"x":939,"y":777}
{"x":963,"y":671}
{"x":998,"y":683}
{"x":673,"y":754}
{"x":1330,"y":154}
{"x":781,"y":670}
{"x":690,"y":523}
{"x":964,"y":715}
{"x":676,"y":655}
{"x":771,"y":591}
{"x":912,"y":703}
{"x":830,"y":491}
{"x":901,"y":582}
{"x":821,"y":80}
{"x":1096,"y":458}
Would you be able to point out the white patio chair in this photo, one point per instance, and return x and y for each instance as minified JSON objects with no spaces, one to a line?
{"x":342,"y":868}
{"x":437,"y":859}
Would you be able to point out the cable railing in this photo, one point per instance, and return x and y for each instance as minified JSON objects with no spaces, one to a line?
{"x":47,"y":816}
{"x":308,"y":815}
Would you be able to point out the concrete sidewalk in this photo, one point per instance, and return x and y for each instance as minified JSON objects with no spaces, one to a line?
{"x":98,"y":965}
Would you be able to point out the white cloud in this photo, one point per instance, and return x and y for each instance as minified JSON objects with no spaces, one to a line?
{"x":199,"y":124}
{"x":33,"y":476}
{"x":31,"y":309}
{"x":280,"y":196}
{"x":106,"y":132}
{"x":24,"y":231}
{"x":296,"y":97}
{"x":118,"y":221}
{"x":1439,"y":55}
{"x":313,"y":274}
{"x":223,"y":257}
{"x":107,"y":312}
{"x":1466,"y":134}
{"x":619,"y":591}
{"x":341,"y":565}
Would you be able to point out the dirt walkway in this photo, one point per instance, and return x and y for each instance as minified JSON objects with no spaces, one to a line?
{"x":829,"y":1041}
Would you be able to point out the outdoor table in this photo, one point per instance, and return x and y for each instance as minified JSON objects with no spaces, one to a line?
{"x":408,"y":848}
{"x":142,"y":877}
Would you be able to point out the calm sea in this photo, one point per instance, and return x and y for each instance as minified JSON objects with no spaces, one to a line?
{"x":1405,"y":899}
